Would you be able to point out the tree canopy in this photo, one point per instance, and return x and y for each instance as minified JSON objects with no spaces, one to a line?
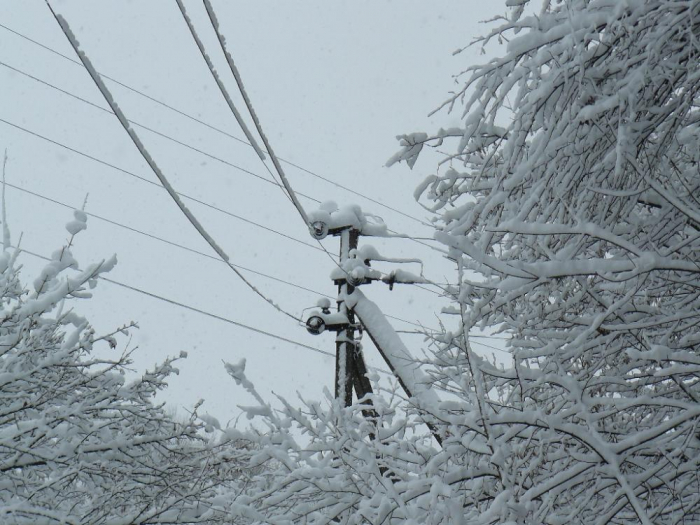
{"x":79,"y":443}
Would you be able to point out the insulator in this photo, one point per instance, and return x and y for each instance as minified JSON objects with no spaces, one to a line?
{"x":319,"y":230}
{"x":356,"y":276}
{"x":315,"y":325}
{"x":355,"y":280}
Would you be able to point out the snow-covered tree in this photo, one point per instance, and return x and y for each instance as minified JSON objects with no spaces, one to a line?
{"x":571,"y":204}
{"x":79,"y":443}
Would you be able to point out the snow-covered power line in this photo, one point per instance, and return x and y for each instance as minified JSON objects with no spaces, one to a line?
{"x":149,"y":160}
{"x":184,"y":196}
{"x":251,"y":110}
{"x":155,"y":184}
{"x":147,"y":128}
{"x":183,"y":144}
{"x":216,"y":129}
{"x":194,"y":309}
{"x":220,"y":84}
{"x":192,"y":250}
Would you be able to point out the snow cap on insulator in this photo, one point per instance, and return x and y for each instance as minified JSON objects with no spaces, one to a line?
{"x":315,"y":325}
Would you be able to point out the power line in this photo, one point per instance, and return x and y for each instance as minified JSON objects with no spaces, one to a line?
{"x":321,"y":248}
{"x":72,"y":95}
{"x":418,"y":332}
{"x":209,"y":155}
{"x":155,"y":237}
{"x":214,"y":128}
{"x":151,"y":162}
{"x":220,"y":84}
{"x":153,"y":183}
{"x":182,"y":247}
{"x":109,"y":112}
{"x":184,"y":196}
{"x":193,"y":199}
{"x":183,"y":144}
{"x":194,"y":309}
{"x":251,"y":110}
{"x":143,"y":126}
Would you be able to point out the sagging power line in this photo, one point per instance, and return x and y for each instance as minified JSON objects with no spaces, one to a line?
{"x":183,"y":195}
{"x":186,"y":248}
{"x":151,"y":163}
{"x":180,"y":143}
{"x":214,"y":128}
{"x":418,"y":240}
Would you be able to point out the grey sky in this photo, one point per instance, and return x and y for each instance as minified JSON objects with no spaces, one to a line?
{"x":332,"y":83}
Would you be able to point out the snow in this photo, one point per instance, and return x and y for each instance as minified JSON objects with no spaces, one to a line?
{"x":74,"y":227}
{"x":402,"y":363}
{"x":350,"y":216}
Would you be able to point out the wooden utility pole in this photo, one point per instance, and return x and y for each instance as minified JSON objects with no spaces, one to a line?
{"x":345,"y":345}
{"x":350,"y":367}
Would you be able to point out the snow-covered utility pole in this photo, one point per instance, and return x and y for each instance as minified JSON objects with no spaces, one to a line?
{"x":345,"y":344}
{"x":352,"y":271}
{"x":350,"y":367}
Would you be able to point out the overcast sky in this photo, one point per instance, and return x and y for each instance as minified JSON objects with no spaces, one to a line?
{"x":332,"y":82}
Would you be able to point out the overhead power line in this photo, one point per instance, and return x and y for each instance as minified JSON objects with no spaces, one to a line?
{"x":214,"y":128}
{"x":144,"y":179}
{"x":251,"y":110}
{"x":180,"y":143}
{"x":142,"y":126}
{"x":194,"y":309}
{"x":151,"y":163}
{"x":155,"y":237}
{"x":184,"y":196}
{"x":320,"y":247}
{"x":418,"y":240}
{"x":220,"y":84}
{"x":182,"y":247}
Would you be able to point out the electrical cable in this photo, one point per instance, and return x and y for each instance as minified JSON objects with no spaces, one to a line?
{"x":47,"y":84}
{"x":214,"y":128}
{"x":154,"y":131}
{"x":213,"y":157}
{"x":239,"y":82}
{"x":412,"y":238}
{"x":186,"y":248}
{"x":219,"y":83}
{"x":144,"y":179}
{"x":176,"y":141}
{"x":251,"y":110}
{"x":184,"y":196}
{"x":192,"y":308}
{"x":425,"y":334}
{"x":155,"y":237}
{"x":208,"y":314}
{"x":190,"y":147}
{"x":149,"y":160}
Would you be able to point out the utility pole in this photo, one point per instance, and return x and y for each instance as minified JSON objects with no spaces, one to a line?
{"x":345,"y":345}
{"x":354,"y":270}
{"x":350,"y":367}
